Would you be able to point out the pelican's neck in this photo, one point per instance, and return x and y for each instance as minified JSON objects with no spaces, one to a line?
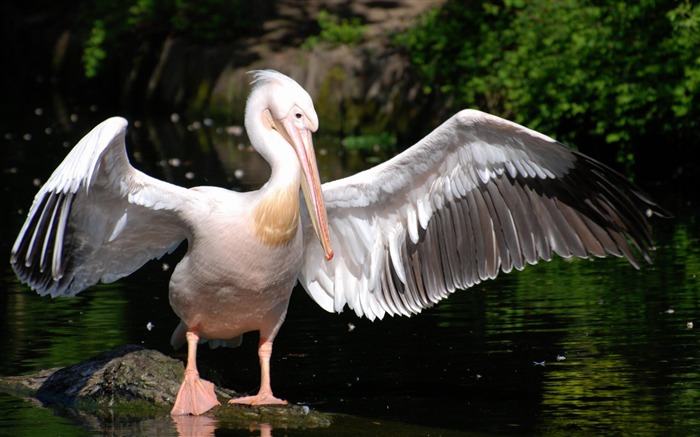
{"x":271,"y":146}
{"x":275,"y":216}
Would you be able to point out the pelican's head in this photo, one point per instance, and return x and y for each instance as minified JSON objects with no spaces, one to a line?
{"x":289,"y":111}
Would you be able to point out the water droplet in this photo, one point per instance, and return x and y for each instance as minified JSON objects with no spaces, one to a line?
{"x":234,"y":130}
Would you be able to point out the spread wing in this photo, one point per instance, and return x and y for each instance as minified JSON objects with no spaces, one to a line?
{"x":97,"y":218}
{"x":476,"y":196}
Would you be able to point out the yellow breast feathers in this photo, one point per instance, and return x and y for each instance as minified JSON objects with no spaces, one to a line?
{"x":276,"y":216}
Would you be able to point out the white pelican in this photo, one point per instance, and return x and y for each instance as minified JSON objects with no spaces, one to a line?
{"x":476,"y":196}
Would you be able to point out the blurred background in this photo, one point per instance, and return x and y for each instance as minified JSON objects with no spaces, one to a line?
{"x":617,"y":80}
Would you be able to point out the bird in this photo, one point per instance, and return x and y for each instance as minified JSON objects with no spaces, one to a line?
{"x":477,"y":196}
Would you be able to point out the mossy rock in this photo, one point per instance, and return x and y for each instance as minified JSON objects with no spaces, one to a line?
{"x":133,"y":383}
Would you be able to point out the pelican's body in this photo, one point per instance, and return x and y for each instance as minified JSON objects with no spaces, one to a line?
{"x":477,"y":196}
{"x":223,"y":242}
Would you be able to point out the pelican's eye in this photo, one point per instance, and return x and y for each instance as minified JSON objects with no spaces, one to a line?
{"x":298,"y":115}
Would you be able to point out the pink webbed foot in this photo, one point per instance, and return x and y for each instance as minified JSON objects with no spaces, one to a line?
{"x":196,"y":396}
{"x":262,"y":398}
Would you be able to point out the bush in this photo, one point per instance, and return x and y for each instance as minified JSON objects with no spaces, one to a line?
{"x":612,"y":73}
{"x":336,"y":31}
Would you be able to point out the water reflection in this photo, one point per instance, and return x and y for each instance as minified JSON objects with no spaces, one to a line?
{"x":195,"y":426}
{"x":617,"y":352}
{"x":37,"y":338}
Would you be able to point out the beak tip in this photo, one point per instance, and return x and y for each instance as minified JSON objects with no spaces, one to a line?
{"x":329,"y":255}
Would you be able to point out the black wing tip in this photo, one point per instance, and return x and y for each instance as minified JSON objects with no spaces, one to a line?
{"x":38,"y":280}
{"x":41,"y":256}
{"x":634,"y":205}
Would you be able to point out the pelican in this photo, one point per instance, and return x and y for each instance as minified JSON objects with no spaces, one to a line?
{"x":477,"y":196}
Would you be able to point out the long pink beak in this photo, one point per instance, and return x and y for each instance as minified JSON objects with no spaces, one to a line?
{"x":310,"y":183}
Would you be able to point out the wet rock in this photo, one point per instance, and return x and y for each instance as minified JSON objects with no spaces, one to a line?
{"x":130,"y":382}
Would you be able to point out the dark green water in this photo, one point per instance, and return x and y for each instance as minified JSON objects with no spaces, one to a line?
{"x":566,"y":346}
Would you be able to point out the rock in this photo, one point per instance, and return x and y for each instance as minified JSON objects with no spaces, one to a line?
{"x":366,"y":87}
{"x":130,"y":382}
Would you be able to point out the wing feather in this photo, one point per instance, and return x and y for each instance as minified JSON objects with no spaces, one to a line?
{"x":477,"y":196}
{"x":97,"y":218}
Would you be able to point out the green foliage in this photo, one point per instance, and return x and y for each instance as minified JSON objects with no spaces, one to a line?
{"x":371,"y":148}
{"x":336,"y":31}
{"x":685,"y":20}
{"x":94,"y":52}
{"x":113,"y":24}
{"x":370,"y":143}
{"x":611,"y":72}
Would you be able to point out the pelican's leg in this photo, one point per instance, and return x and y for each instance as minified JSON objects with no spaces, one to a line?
{"x":264,"y":396}
{"x":196,"y":395}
